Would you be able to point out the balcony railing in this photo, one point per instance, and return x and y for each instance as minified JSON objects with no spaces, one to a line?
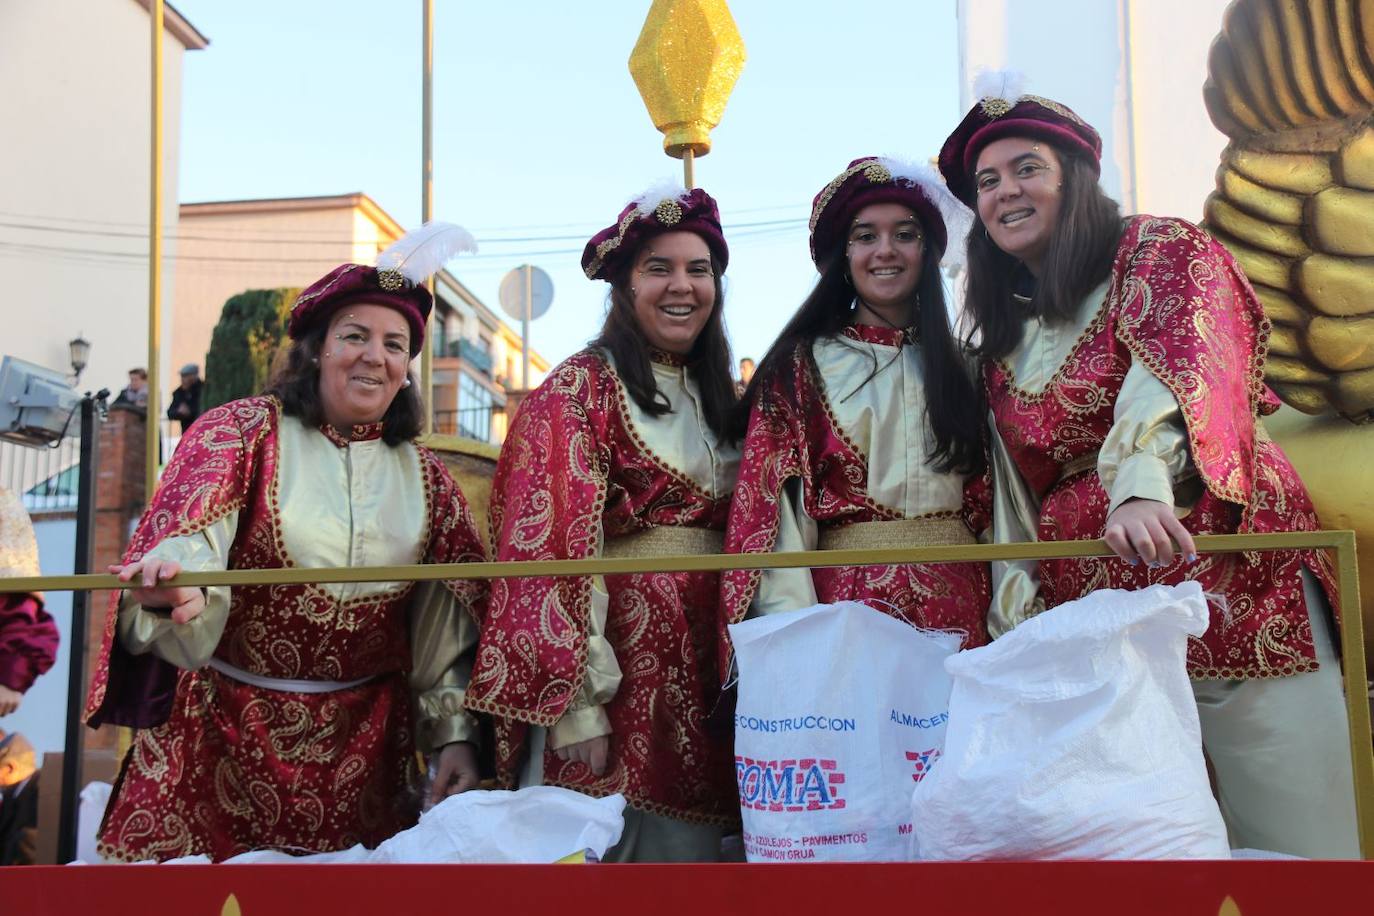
{"x":474,"y":354}
{"x":472,"y":422}
{"x":44,"y":478}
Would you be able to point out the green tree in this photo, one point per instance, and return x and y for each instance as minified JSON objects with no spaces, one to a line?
{"x":250,"y":333}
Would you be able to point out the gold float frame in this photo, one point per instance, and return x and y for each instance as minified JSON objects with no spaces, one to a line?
{"x":1342,"y":543}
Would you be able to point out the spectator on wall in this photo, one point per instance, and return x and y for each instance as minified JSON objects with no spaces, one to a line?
{"x":185,"y":404}
{"x":136,"y":392}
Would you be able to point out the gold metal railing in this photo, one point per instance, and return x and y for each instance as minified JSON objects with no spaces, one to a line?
{"x":1341,"y":543}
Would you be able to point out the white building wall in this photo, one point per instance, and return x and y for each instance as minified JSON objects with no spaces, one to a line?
{"x":75,"y":162}
{"x":1134,"y":69}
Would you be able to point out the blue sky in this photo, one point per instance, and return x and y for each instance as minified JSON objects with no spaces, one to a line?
{"x":540,"y":134}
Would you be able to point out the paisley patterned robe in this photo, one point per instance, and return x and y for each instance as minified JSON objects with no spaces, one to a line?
{"x":847,"y":445}
{"x":221,"y":766}
{"x":584,"y":468}
{"x":1166,"y":374}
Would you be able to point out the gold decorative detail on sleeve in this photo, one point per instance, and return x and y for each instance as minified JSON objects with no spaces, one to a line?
{"x":1229,"y":907}
{"x":231,"y":907}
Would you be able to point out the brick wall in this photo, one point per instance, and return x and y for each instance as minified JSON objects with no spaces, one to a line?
{"x":118,"y":503}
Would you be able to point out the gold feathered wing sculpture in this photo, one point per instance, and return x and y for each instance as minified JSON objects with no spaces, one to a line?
{"x":1291,"y":83}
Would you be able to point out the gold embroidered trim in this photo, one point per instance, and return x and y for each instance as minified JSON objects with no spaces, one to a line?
{"x":925,"y":531}
{"x":1093,"y":328}
{"x":320,"y":292}
{"x":868,"y":502}
{"x":664,"y":541}
{"x":623,"y":411}
{"x":610,"y":244}
{"x":1252,"y":672}
{"x":1053,"y":106}
{"x":872,"y":169}
{"x":668,"y":212}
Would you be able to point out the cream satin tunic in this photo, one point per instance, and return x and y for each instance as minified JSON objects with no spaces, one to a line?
{"x":1144,"y":456}
{"x":885,"y":420}
{"x":362,"y":504}
{"x":683,"y":441}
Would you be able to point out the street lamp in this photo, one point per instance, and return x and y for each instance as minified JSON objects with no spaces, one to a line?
{"x":80,"y":350}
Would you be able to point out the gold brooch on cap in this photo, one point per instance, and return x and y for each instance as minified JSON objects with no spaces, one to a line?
{"x":391,"y":280}
{"x":877,"y":173}
{"x":669,"y":212}
{"x":995,"y":107}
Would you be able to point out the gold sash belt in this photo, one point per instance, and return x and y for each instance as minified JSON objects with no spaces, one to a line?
{"x":664,"y":542}
{"x":902,"y":532}
{"x":1078,"y":465}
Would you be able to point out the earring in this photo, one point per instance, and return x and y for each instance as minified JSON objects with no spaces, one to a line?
{"x":406,"y":383}
{"x":314,"y":360}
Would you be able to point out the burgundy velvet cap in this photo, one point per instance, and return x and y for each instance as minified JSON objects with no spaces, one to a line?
{"x":654,"y":213}
{"x":870,"y":180}
{"x":995,"y":118}
{"x":350,"y":284}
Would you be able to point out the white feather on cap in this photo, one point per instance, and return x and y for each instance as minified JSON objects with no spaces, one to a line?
{"x":1008,"y":85}
{"x":958,"y":218}
{"x":421,"y":252}
{"x":657,"y":193}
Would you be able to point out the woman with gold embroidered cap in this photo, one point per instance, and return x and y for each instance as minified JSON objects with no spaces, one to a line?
{"x":288,"y":717}
{"x":863,"y":423}
{"x":622,"y":452}
{"x":1123,"y":363}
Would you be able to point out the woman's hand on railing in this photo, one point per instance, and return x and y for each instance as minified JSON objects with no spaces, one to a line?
{"x":593,"y":752}
{"x":456,"y":771}
{"x":1142,"y":529}
{"x":185,"y":603}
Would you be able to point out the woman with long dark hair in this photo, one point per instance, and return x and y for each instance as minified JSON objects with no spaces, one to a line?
{"x":623,"y":452}
{"x":864,"y":428}
{"x":288,"y":716}
{"x":1123,"y":364}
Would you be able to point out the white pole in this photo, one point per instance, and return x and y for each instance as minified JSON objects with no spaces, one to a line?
{"x":525,"y":326}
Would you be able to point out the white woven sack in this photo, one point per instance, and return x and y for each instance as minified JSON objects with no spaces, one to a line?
{"x":840,"y":709}
{"x":1076,"y":736}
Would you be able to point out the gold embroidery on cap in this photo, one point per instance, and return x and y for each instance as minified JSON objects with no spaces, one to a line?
{"x":1053,"y":106}
{"x":877,"y":173}
{"x":669,"y":212}
{"x":390,"y":280}
{"x":995,"y":107}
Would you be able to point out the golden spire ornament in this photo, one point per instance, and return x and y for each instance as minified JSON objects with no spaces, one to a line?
{"x":685,"y":64}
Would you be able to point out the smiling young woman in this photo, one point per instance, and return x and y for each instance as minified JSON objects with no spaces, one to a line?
{"x":1122,"y":361}
{"x":862,"y":426}
{"x":622,"y":451}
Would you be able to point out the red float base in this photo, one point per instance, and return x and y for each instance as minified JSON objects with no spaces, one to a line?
{"x":1062,"y":889}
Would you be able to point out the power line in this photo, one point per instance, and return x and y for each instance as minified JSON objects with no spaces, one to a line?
{"x":491,"y":233}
